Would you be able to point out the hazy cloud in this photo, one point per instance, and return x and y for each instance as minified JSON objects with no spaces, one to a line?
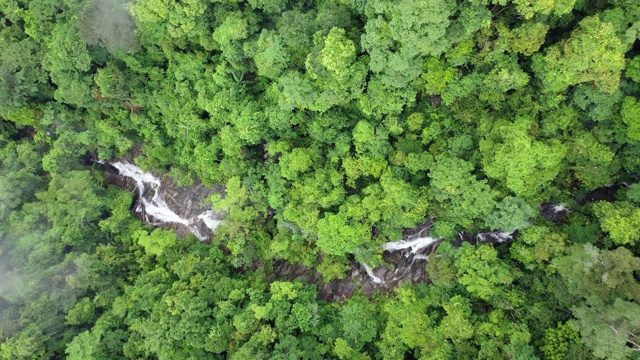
{"x":108,"y":23}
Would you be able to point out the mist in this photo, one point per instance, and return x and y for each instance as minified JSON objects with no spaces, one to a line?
{"x":109,"y":24}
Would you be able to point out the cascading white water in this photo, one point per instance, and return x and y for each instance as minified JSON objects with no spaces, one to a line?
{"x":421,"y":257}
{"x":376,"y":280}
{"x":505,"y":236}
{"x":209,"y":220}
{"x":159,"y":209}
{"x":415,"y":244}
{"x":495,"y":236}
{"x":134,"y":172}
{"x":156,"y":207}
{"x":560,"y":208}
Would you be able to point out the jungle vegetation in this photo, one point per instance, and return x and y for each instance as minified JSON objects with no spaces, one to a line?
{"x":351,"y":120}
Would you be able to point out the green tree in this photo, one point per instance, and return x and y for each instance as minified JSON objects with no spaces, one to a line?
{"x":529,"y":37}
{"x":269,"y":6}
{"x":593,"y":53}
{"x":558,"y":340}
{"x":177,"y":20}
{"x":594,"y":161}
{"x":84,"y":345}
{"x":521,"y":162}
{"x":398,"y":37}
{"x":530,"y":8}
{"x":456,"y":325}
{"x":338,"y":234}
{"x":598,"y":275}
{"x":335,"y":70}
{"x":630,"y":116}
{"x":73,"y":203}
{"x":359,"y":327}
{"x":481,"y":272}
{"x":297,"y":161}
{"x":538,"y":245}
{"x":296,"y":28}
{"x":371,"y":141}
{"x":511,"y":213}
{"x":463,"y":198}
{"x":408,"y":324}
{"x":19,"y":176}
{"x":67,"y":60}
{"x":269,"y":54}
{"x":620,"y":219}
{"x":21,"y":79}
{"x":609,"y":330}
{"x":156,"y":242}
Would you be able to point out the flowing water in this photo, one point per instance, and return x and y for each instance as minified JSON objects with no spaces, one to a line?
{"x":415,"y":244}
{"x":410,"y":248}
{"x":154,"y":207}
{"x":369,"y":271}
{"x":560,"y":208}
{"x":162,"y":203}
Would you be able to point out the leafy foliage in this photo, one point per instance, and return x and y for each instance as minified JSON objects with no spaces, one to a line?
{"x":334,"y":126}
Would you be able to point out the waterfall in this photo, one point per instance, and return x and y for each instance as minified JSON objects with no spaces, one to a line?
{"x":134,"y":172}
{"x":560,"y":208}
{"x":415,"y":244}
{"x":495,"y":236}
{"x":155,"y":209}
{"x":373,"y":276}
{"x":505,"y":236}
{"x":209,"y":220}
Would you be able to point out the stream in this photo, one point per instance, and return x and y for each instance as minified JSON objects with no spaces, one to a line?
{"x":155,"y":209}
{"x":161,"y":202}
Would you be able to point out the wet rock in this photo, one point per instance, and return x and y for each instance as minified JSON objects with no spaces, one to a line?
{"x":404,"y":261}
{"x":605,"y":193}
{"x":554,"y":212}
{"x":187,"y":202}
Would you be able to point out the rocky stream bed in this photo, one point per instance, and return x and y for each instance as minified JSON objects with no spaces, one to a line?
{"x":161,"y":202}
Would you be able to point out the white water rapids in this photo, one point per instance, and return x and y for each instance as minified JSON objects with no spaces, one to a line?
{"x":560,"y":208}
{"x":157,"y":212}
{"x":415,"y":245}
{"x":156,"y":207}
{"x":369,"y":271}
{"x":418,"y":242}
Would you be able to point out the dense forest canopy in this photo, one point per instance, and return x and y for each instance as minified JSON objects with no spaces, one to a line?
{"x":335,"y":126}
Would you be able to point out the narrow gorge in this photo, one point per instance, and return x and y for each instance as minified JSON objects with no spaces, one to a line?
{"x":162,"y":203}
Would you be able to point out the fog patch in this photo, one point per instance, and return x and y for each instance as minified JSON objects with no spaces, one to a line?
{"x":109,"y":24}
{"x":10,"y":282}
